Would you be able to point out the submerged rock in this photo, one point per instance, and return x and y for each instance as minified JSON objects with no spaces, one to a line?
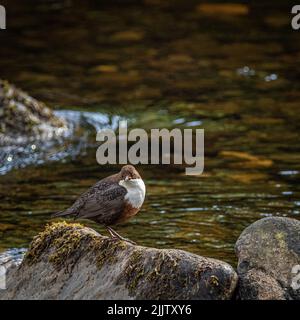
{"x":69,"y":261}
{"x":269,"y":260}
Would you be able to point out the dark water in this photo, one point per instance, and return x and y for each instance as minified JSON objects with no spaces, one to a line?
{"x":163,"y":65}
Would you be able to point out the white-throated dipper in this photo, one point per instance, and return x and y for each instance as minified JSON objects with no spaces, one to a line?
{"x":111,"y":200}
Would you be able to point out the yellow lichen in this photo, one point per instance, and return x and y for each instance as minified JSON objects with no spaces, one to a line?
{"x":214,"y":281}
{"x":280,"y":237}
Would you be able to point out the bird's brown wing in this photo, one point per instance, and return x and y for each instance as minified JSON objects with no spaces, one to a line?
{"x":104,"y":202}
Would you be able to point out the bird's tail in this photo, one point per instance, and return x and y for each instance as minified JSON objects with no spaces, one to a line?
{"x":60,"y":214}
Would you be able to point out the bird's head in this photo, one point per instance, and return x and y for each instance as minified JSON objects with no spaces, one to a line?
{"x":129,"y":172}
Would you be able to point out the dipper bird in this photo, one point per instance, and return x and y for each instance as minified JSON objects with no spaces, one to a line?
{"x":111,"y":200}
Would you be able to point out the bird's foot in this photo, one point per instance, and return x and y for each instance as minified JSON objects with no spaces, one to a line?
{"x":122,"y":239}
{"x":116,"y":236}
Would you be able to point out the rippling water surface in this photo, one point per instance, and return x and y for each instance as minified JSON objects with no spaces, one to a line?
{"x":162,"y":65}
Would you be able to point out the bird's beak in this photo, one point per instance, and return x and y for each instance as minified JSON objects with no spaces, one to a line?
{"x":127,"y":178}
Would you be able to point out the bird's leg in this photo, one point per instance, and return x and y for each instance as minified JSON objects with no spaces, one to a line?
{"x":110,"y":231}
{"x":115,"y":235}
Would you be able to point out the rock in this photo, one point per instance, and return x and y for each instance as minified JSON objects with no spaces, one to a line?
{"x":32,"y":134}
{"x":23,"y":117}
{"x":256,"y":285}
{"x":69,"y":261}
{"x":269,"y":259}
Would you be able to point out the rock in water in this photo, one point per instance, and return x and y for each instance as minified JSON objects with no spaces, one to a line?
{"x":68,"y":261}
{"x":269,"y":260}
{"x":23,"y":117}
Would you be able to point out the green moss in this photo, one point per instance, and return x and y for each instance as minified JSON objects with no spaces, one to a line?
{"x":134,"y":270}
{"x":65,"y":246}
{"x":61,"y":239}
{"x":106,"y":250}
{"x":160,"y":271}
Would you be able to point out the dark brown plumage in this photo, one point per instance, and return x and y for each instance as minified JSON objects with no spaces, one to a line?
{"x":111,"y":200}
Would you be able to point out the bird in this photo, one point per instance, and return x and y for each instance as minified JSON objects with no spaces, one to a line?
{"x":111,"y":201}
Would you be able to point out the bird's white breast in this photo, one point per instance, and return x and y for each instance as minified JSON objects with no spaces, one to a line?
{"x":136,"y":191}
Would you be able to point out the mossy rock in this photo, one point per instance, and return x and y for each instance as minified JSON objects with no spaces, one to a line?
{"x":69,"y":261}
{"x":22,"y":115}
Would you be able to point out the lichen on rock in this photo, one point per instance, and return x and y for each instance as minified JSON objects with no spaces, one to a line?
{"x":268,"y":250}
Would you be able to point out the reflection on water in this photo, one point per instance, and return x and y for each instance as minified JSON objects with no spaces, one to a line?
{"x":234,"y":74}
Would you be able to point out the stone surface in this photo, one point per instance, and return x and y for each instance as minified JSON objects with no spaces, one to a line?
{"x":269,"y":253}
{"x":23,"y":118}
{"x":68,"y":261}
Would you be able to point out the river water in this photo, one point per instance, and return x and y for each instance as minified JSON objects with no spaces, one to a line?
{"x":233,"y":72}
